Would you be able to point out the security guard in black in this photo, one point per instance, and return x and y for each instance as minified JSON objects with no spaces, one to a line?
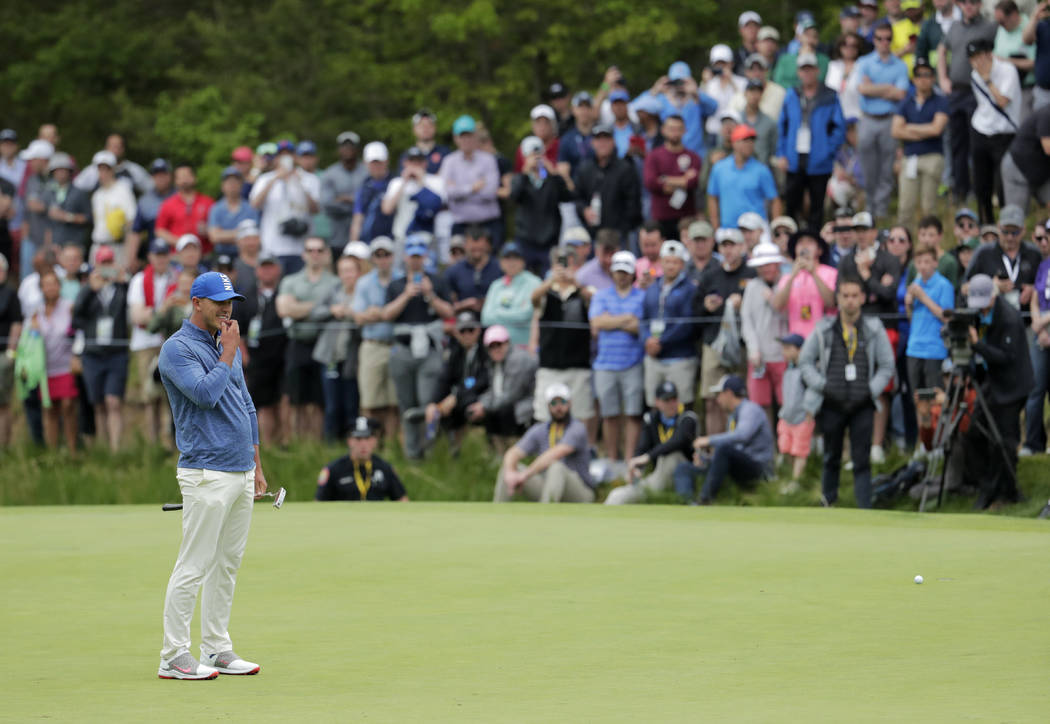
{"x":360,"y":475}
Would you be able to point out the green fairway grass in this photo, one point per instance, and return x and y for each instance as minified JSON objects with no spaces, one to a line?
{"x":526,"y":613}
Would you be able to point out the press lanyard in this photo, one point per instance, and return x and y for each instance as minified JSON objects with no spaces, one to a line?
{"x":555,"y":433}
{"x":849,"y":337}
{"x":664,"y":433}
{"x":363,"y":486}
{"x":1012,"y":270}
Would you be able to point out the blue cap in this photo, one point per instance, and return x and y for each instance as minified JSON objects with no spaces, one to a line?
{"x":648,"y":103}
{"x":231,"y":171}
{"x":730,"y":383}
{"x":965,"y":213}
{"x":511,"y":249}
{"x":415,"y":250}
{"x":285,"y":145}
{"x":619,"y":95}
{"x":795,"y":340}
{"x":463,"y":124}
{"x":159,"y":246}
{"x":679,"y":70}
{"x":417,"y":244}
{"x":215,"y":286}
{"x":306,"y":148}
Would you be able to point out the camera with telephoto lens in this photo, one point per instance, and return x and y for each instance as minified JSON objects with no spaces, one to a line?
{"x":957,"y":334}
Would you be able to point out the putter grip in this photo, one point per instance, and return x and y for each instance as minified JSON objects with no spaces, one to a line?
{"x":171,"y":506}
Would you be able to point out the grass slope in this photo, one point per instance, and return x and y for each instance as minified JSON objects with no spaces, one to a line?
{"x":522,"y":613}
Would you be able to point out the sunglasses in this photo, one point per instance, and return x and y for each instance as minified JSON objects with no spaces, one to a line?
{"x":1012,"y":232}
{"x":558,"y":401}
{"x":1040,"y":238}
{"x":468,"y":330}
{"x":883,"y":38}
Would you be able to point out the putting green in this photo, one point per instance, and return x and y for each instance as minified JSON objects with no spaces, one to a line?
{"x":523,"y":613}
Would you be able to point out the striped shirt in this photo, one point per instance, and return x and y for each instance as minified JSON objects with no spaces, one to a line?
{"x":617,"y":349}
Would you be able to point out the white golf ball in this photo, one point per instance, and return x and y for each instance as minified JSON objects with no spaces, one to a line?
{"x":918,"y":579}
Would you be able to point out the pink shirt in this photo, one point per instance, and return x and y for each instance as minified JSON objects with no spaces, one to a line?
{"x":642,"y":267}
{"x":805,"y":306}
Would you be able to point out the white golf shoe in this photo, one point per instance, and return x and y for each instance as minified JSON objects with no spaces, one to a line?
{"x":184,"y":666}
{"x":230,"y":663}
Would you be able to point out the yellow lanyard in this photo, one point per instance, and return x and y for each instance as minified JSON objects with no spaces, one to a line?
{"x":849,"y":337}
{"x":363,"y":485}
{"x":664,"y":434}
{"x":732,"y":424}
{"x":554,"y":433}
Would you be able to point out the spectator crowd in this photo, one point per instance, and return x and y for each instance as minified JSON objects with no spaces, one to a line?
{"x":692,"y":282}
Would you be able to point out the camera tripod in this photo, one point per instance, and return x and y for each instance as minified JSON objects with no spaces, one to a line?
{"x":946,"y":433}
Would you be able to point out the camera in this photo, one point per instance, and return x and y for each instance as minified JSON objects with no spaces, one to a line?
{"x":957,"y":334}
{"x":563,"y":259}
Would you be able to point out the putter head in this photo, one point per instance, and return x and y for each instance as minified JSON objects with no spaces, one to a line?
{"x":278,"y":500}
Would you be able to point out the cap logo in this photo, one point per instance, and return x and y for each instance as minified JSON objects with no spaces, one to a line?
{"x":227,"y":285}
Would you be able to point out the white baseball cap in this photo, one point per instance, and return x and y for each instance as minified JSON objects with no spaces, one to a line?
{"x":751,"y":221}
{"x":555,"y":391}
{"x":104,"y":158}
{"x":357,"y":249}
{"x":530,"y":145}
{"x":721,"y":53}
{"x":726,"y":234}
{"x":375,"y":151}
{"x":749,"y":16}
{"x":623,"y":261}
{"x":382,"y":243}
{"x":38,"y":149}
{"x":185,"y":240}
{"x":543,"y":111}
{"x":765,"y":252}
{"x":673,"y":247}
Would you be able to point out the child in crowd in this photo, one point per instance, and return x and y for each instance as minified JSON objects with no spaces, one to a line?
{"x":795,"y":426}
{"x":926,"y":299}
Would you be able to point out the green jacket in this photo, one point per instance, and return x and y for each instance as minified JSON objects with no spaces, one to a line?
{"x":31,"y":366}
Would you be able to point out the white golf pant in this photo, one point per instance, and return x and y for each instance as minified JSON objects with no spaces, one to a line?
{"x":657,"y":481}
{"x":216,"y":515}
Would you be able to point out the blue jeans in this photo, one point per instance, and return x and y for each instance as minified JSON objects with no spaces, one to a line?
{"x":726,"y":461}
{"x":340,"y":403}
{"x":1034,"y":430}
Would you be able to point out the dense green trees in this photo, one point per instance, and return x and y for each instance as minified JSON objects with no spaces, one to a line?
{"x":189,"y":79}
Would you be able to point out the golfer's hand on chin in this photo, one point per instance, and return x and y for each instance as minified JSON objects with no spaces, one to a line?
{"x":260,"y":483}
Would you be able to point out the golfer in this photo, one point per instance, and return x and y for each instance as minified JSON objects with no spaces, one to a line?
{"x":219,"y":474}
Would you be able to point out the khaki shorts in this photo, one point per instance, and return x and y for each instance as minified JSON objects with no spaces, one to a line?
{"x":682,"y":372}
{"x":579,"y":383}
{"x":711,"y":371}
{"x":142,"y":388}
{"x":373,"y":376}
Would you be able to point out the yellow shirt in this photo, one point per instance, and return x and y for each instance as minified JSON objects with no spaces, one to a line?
{"x":904,"y":31}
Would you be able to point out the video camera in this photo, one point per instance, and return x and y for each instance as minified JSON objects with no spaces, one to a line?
{"x":957,"y":335}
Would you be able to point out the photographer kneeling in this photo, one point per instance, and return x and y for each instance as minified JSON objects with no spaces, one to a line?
{"x":1003,"y":372}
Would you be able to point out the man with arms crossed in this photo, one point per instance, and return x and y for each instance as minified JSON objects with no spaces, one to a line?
{"x":219,"y":473}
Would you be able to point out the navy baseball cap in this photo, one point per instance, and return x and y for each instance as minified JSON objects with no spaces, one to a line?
{"x":666,"y":391}
{"x":215,"y":286}
{"x":619,"y":95}
{"x":231,"y":171}
{"x":792,"y":339}
{"x":160,"y":165}
{"x":363,"y":428}
{"x":159,"y":246}
{"x":285,"y":145}
{"x":730,"y":383}
{"x":511,"y":249}
{"x":8,"y":134}
{"x":306,"y":148}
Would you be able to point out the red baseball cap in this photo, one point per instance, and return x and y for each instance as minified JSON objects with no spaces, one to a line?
{"x":104,"y":254}
{"x":241,"y":153}
{"x":741,"y":132}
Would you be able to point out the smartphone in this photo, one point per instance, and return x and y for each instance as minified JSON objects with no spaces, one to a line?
{"x":417,"y":278}
{"x":563,"y":259}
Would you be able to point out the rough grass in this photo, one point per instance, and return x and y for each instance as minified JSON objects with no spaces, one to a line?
{"x":146,"y":474}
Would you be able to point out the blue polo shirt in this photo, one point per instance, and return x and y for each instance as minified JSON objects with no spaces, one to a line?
{"x":912,"y":113}
{"x":466,"y":282}
{"x":740,"y":189}
{"x":370,"y":292}
{"x":924,"y":338}
{"x":222,"y":216}
{"x":891,"y":72}
{"x":574,"y":148}
{"x":617,"y":349}
{"x":215,"y":421}
{"x":622,"y":138}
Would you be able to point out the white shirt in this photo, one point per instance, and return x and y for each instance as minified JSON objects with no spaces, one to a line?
{"x":986,"y":119}
{"x":285,"y":200}
{"x":406,"y":207}
{"x":140,"y":338}
{"x":118,"y":196}
{"x":771,"y":103}
{"x":846,"y":86}
{"x":723,"y":93}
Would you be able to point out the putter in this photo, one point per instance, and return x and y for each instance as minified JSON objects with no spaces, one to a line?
{"x":278,"y":500}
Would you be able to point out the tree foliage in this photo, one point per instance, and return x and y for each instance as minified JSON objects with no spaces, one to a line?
{"x":190,"y":79}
